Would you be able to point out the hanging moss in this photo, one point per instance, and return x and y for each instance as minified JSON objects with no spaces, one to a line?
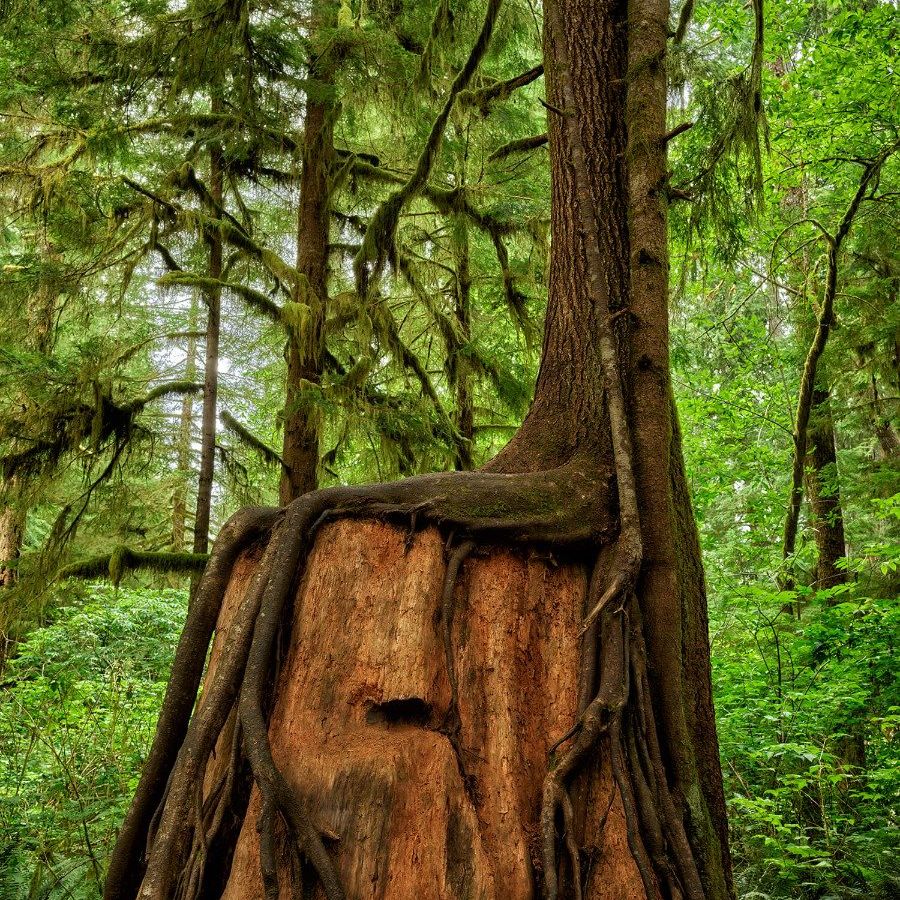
{"x":378,"y":246}
{"x":246,"y":437}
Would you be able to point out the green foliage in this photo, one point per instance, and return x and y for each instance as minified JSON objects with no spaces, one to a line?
{"x":105,"y":219}
{"x":78,"y":706}
{"x":808,"y":713}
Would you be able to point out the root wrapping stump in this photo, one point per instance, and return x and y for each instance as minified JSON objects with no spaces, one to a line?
{"x":357,"y":726}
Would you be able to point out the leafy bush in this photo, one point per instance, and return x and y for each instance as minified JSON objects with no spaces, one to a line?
{"x":808,"y":714}
{"x":77,"y":711}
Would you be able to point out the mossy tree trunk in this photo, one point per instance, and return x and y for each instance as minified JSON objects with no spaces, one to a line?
{"x":508,"y":695}
{"x":306,"y":348}
{"x":823,"y":487}
{"x":213,"y":298}
{"x":185,"y":434}
{"x":459,"y":373}
{"x":12,"y":530}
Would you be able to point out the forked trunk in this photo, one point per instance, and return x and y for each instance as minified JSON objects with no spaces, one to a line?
{"x":442,"y":723}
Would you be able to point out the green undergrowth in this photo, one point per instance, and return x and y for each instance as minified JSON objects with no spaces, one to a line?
{"x":78,"y":705}
{"x":808,"y":712}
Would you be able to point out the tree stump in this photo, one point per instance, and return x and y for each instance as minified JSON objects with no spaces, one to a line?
{"x":360,"y":721}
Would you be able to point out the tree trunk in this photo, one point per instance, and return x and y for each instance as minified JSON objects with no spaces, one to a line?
{"x":824,"y":493}
{"x":888,"y":441}
{"x":459,"y":374}
{"x":306,"y":350}
{"x":213,"y":296}
{"x":12,"y":531}
{"x":185,"y":435}
{"x":451,"y":727}
{"x":420,"y":814}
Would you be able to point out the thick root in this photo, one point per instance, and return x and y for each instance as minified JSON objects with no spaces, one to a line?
{"x":126,"y":864}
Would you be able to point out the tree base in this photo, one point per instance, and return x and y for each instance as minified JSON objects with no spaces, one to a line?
{"x":416,"y":797}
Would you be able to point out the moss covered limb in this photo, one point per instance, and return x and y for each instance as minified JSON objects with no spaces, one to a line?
{"x":378,"y":244}
{"x":249,"y":439}
{"x":123,"y":560}
{"x":521,"y":145}
{"x":500,"y":90}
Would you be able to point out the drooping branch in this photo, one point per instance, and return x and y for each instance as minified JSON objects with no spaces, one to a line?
{"x":825,"y":321}
{"x":378,"y":246}
{"x":248,"y":438}
{"x":440,"y":22}
{"x":484,"y":97}
{"x":259,"y":301}
{"x":521,"y":145}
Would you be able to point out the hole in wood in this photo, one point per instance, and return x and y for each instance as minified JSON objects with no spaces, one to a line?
{"x":400,"y":711}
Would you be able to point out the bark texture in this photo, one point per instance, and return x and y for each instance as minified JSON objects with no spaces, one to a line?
{"x":12,"y":532}
{"x":419,"y":814}
{"x":824,"y":493}
{"x":306,"y":345}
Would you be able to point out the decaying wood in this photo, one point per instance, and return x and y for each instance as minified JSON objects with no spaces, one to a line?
{"x":513,"y":701}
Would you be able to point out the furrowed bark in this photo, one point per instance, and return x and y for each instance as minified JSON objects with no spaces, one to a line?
{"x":12,"y":530}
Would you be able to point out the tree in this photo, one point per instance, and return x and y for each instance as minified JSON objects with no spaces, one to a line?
{"x":595,"y":475}
{"x":306,"y":359}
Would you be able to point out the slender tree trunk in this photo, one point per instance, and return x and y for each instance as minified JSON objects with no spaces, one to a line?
{"x":421,"y":694}
{"x":824,"y":492}
{"x":888,"y":441}
{"x":213,"y":297}
{"x":824,"y":324}
{"x":306,"y":350}
{"x":460,"y":375}
{"x":12,"y":530}
{"x":185,"y":435}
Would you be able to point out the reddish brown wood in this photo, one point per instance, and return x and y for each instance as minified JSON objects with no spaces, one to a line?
{"x":362,"y":697}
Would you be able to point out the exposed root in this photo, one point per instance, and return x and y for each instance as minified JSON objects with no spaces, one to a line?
{"x":603,"y":711}
{"x":126,"y":863}
{"x":562,"y":506}
{"x":448,"y":608}
{"x":452,"y":724}
{"x":614,"y":700}
{"x":277,"y":795}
